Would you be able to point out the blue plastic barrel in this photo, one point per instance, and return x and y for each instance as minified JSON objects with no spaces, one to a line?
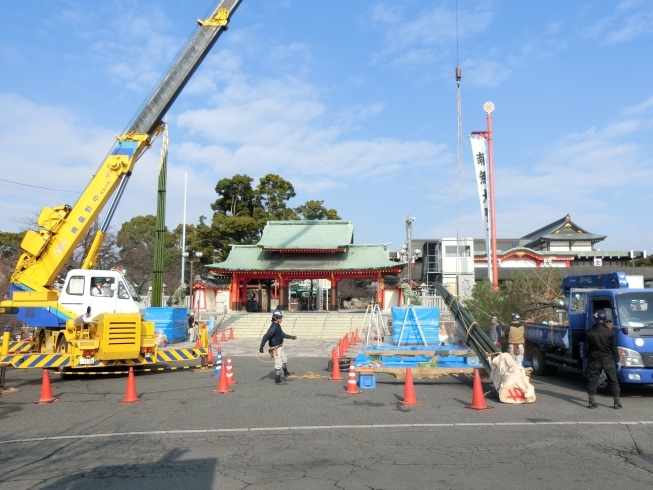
{"x":172,"y":321}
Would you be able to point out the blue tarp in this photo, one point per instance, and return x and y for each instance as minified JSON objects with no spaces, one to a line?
{"x":169,"y":320}
{"x":429,"y":321}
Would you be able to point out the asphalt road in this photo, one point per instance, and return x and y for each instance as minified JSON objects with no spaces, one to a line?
{"x":307,"y":435}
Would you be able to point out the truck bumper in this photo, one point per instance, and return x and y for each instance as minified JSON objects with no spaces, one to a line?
{"x":636,"y":376}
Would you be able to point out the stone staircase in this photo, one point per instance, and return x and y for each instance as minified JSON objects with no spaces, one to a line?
{"x":314,"y":325}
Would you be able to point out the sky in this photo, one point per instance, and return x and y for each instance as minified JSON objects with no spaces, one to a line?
{"x":354,"y":103}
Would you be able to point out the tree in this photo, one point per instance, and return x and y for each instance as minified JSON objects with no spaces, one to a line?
{"x":136,"y":243}
{"x":645,"y":262}
{"x":236,"y":196}
{"x":526,"y":294}
{"x":314,"y":210}
{"x":273,"y":193}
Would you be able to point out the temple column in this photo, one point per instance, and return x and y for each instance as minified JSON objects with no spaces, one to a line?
{"x":379,"y":290}
{"x":234,"y":292}
{"x":334,"y":294}
{"x":283,"y":294}
{"x":242,"y":304}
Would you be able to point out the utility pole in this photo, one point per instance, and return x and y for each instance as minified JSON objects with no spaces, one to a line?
{"x":409,"y":250}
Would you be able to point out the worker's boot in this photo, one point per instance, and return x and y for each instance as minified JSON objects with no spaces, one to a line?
{"x":278,"y":380}
{"x":617,"y":403}
{"x":286,"y":373}
{"x":593,"y":403}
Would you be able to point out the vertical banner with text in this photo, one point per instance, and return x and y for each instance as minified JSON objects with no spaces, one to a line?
{"x":482,"y":179}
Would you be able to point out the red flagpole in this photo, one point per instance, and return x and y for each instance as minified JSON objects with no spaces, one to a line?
{"x":495,"y":264}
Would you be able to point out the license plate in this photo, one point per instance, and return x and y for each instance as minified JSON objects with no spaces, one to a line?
{"x":87,"y":361}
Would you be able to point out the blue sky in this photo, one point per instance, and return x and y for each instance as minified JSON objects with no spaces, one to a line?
{"x":352,"y":102}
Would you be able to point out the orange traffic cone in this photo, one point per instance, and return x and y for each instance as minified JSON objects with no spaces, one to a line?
{"x":352,"y":386}
{"x":46,"y":390}
{"x":223,"y":384}
{"x":410,"y":400}
{"x":230,"y":373}
{"x":478,"y":400}
{"x":231,"y":333}
{"x":215,"y":336}
{"x":358,"y":337}
{"x":130,"y":395}
{"x":224,"y":337}
{"x":209,"y":356}
{"x":335,"y":371}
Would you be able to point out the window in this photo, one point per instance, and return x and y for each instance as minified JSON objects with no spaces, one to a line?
{"x":122,"y":291}
{"x":75,"y":286}
{"x":578,"y":302}
{"x":102,"y":287}
{"x":450,"y":251}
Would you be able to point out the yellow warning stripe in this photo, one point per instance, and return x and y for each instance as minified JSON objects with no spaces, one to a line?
{"x":26,"y":361}
{"x":144,"y":370}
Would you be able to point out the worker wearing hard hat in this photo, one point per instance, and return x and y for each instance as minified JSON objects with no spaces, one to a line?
{"x":275,"y":336}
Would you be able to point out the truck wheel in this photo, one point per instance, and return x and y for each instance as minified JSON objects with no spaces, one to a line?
{"x":537,"y":360}
{"x":61,"y":349}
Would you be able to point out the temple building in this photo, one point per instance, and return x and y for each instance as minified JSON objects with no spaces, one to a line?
{"x":288,"y":251}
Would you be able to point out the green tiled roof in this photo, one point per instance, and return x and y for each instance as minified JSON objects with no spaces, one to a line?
{"x":356,"y":257}
{"x":306,"y":234}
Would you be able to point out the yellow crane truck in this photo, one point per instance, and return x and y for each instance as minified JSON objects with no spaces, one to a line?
{"x":93,"y":320}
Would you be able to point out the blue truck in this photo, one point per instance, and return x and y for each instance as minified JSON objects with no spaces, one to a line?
{"x":552,"y":344}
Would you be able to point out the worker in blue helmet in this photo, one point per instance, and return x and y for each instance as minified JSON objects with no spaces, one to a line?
{"x":602,"y":353}
{"x":275,"y":336}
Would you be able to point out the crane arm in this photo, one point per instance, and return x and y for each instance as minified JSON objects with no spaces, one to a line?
{"x":62,"y":228}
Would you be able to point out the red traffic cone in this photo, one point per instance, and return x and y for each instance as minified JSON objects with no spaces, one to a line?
{"x":230,"y":373}
{"x":130,"y":395}
{"x":478,"y":400}
{"x":209,"y":356}
{"x":231,"y":333}
{"x":224,"y":337}
{"x":410,"y":400}
{"x":215,"y":336}
{"x":352,"y":386}
{"x":335,"y":371}
{"x":46,"y":390}
{"x":223,"y":384}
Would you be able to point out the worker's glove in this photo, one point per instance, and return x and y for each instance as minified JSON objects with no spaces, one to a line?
{"x":618,"y":365}
{"x":294,"y":337}
{"x":261,"y":350}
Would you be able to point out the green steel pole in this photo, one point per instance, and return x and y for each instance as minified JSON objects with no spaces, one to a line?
{"x":159,"y":238}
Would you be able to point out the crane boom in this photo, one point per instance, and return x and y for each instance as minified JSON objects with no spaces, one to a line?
{"x":62,"y":228}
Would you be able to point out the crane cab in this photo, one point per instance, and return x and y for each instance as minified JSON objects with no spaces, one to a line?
{"x":103,"y":291}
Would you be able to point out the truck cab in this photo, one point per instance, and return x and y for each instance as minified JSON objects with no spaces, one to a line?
{"x":103,"y":291}
{"x":631,"y":311}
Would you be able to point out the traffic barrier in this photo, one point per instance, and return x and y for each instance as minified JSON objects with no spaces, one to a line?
{"x":231,"y":333}
{"x":130,"y":394}
{"x":46,"y":390}
{"x":223,"y":384}
{"x":410,"y":400}
{"x":352,"y":386}
{"x":335,"y":371}
{"x":478,"y":399}
{"x":218,"y":363}
{"x":230,"y":373}
{"x":224,"y":337}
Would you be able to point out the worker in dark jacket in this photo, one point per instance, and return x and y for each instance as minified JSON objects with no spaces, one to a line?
{"x":601,"y":353}
{"x":275,"y":337}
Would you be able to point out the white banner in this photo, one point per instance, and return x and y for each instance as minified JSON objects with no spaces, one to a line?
{"x":482,"y":178}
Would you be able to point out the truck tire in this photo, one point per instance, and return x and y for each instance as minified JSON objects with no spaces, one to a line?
{"x":538,"y":362}
{"x":61,"y":349}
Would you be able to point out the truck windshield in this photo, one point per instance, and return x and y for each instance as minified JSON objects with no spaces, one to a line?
{"x":132,"y":289}
{"x":636,"y":313}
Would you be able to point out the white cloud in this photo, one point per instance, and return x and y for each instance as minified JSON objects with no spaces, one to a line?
{"x":629,"y":20}
{"x":640,"y":108}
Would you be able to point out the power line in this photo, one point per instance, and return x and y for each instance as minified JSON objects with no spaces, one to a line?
{"x":38,"y":187}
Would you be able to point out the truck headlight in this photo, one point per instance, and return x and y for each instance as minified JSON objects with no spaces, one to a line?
{"x":629,"y":358}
